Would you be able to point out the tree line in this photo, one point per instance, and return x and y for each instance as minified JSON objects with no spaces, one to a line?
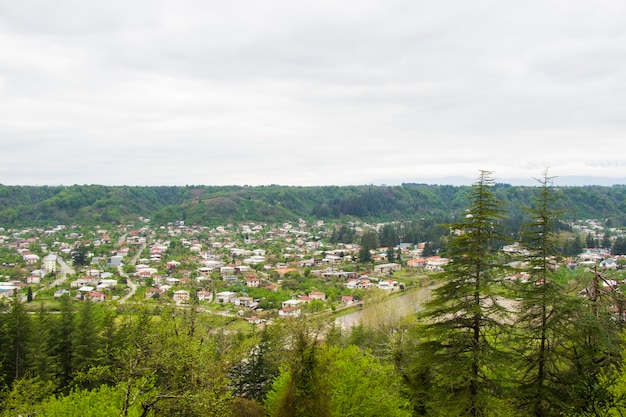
{"x":214,"y":205}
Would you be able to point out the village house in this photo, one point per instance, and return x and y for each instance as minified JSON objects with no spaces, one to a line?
{"x":245,"y":302}
{"x":253,"y":281}
{"x":387,"y":268}
{"x":227,"y":270}
{"x":81,"y":282}
{"x":387,"y":285}
{"x":172,"y":281}
{"x":291,"y":303}
{"x":347,"y":299}
{"x":436,"y":263}
{"x":33,"y":279}
{"x":254,"y":320}
{"x":30,"y":258}
{"x":358,"y":284}
{"x":416,"y":263}
{"x":181,"y":297}
{"x":107,"y":283}
{"x":152,"y":292}
{"x":289,"y":312}
{"x":94,"y":296}
{"x":172,"y":264}
{"x":225,"y":297}
{"x":115,"y":261}
{"x":317,"y":295}
{"x":204,"y":295}
{"x":61,"y":292}
{"x":50,"y":263}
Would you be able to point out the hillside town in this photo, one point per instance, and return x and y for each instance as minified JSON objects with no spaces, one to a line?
{"x":252,"y":271}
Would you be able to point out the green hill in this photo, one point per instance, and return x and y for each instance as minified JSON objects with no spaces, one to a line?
{"x":213,"y":205}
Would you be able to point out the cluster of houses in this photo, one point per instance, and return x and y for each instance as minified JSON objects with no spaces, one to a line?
{"x":241,"y":257}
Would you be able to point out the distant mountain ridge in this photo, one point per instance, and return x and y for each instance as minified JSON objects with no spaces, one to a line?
{"x":214,"y":205}
{"x":566,"y":181}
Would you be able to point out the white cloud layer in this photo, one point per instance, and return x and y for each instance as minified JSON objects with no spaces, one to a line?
{"x":309,"y":93}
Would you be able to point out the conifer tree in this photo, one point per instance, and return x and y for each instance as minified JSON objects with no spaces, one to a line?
{"x":545,"y":311}
{"x":253,"y":376}
{"x":563,"y":344}
{"x":41,"y":341}
{"x":17,"y":331}
{"x":391,"y":255}
{"x":464,"y":319}
{"x":63,"y":335}
{"x":86,"y":337}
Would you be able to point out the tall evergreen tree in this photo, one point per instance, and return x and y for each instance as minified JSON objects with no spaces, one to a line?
{"x":391,"y":255}
{"x":80,"y":256}
{"x":619,"y":246}
{"x":545,"y":310}
{"x":17,"y":331}
{"x":86,"y":337}
{"x":464,"y":318}
{"x":388,"y":236}
{"x":252,"y":377}
{"x":63,"y":335}
{"x":41,"y":341}
{"x":577,"y":247}
{"x":369,"y":240}
{"x":364,"y":255}
{"x":564,"y":344}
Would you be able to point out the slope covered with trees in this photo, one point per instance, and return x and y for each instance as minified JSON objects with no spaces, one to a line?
{"x":213,"y":205}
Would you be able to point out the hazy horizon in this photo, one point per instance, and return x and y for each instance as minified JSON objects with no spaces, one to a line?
{"x":573,"y":181}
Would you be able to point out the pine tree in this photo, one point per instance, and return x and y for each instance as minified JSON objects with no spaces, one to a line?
{"x":364,"y":255}
{"x":564,"y":344}
{"x":86,"y":339}
{"x":41,"y":341}
{"x":464,"y":319}
{"x":545,"y":310}
{"x":391,"y":255}
{"x":80,"y":256}
{"x":619,"y":246}
{"x":252,"y":377}
{"x":17,"y":331}
{"x":63,"y":335}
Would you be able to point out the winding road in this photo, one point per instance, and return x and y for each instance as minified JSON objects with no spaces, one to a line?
{"x":132,"y":284}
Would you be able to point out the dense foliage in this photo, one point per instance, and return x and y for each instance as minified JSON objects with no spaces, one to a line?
{"x":213,"y":205}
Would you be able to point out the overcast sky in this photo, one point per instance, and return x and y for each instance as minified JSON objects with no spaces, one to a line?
{"x":310,"y":92}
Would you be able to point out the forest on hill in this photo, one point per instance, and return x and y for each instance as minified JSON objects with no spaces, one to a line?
{"x":214,"y":205}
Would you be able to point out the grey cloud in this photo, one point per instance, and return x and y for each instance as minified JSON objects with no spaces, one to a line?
{"x":310,"y":92}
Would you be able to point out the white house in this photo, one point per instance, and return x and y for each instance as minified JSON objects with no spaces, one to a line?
{"x":107,"y":283}
{"x":205,"y":295}
{"x":387,"y":285}
{"x":291,"y":303}
{"x":181,"y":297}
{"x":31,"y":258}
{"x":387,"y":268}
{"x":289,"y":312}
{"x":50,"y":263}
{"x":225,"y":297}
